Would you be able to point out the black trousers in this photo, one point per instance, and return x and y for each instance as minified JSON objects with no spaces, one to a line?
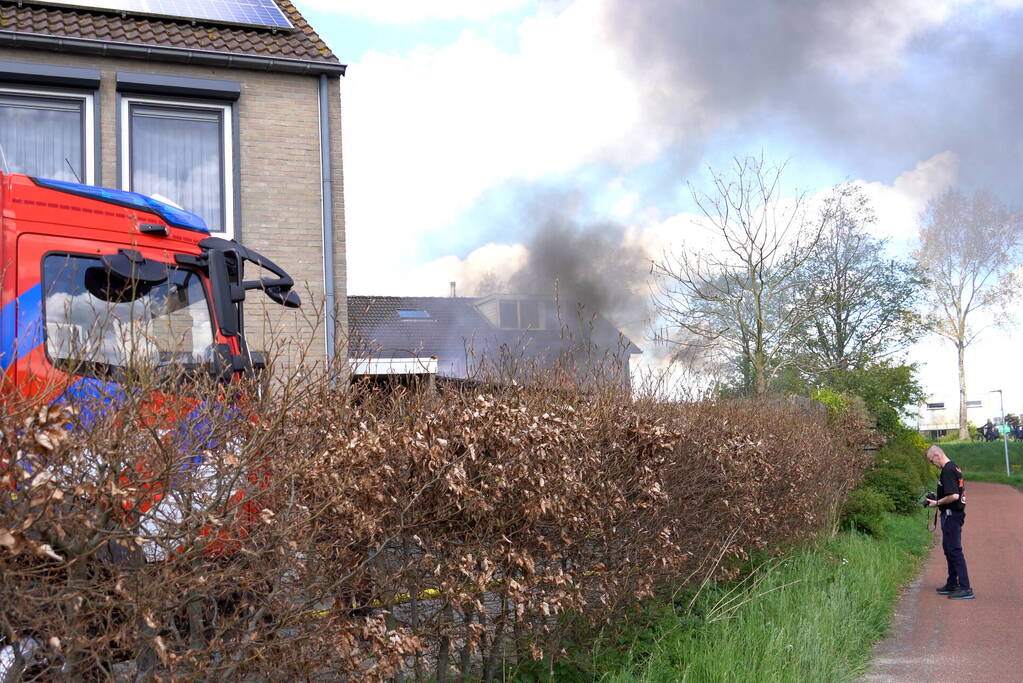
{"x":952,"y":543}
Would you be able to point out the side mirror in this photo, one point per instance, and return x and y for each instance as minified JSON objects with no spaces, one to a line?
{"x":223,"y":294}
{"x":288,"y":298}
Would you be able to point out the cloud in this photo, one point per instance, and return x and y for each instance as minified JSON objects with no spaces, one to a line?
{"x":426,"y":134}
{"x":872,"y":85}
{"x":898,"y":206}
{"x":413,"y":11}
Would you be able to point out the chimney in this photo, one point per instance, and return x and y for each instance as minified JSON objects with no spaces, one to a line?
{"x":452,"y":290}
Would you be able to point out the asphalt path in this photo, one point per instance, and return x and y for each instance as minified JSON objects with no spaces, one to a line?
{"x":935,"y":639}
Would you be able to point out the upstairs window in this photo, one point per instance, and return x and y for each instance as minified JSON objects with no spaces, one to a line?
{"x":48,"y":135}
{"x":181,"y":152}
{"x":974,"y":404}
{"x":509,"y":313}
{"x":935,"y":406}
{"x":525,"y":314}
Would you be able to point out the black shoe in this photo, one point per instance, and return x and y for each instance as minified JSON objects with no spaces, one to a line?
{"x":947,"y":589}
{"x":962,"y":594}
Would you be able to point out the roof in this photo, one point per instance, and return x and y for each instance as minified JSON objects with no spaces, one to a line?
{"x":112,"y":26}
{"x":455,"y":327}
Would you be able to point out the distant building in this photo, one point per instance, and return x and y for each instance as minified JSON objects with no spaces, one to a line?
{"x":502,"y":337}
{"x":938,"y":416}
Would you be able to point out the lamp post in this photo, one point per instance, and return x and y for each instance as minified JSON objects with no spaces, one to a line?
{"x":1005,"y":434}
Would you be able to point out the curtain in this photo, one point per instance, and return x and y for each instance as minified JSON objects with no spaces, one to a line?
{"x":42,"y":136}
{"x":177,"y":153}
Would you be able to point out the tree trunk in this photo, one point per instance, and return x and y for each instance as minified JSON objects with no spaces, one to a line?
{"x":964,"y":430}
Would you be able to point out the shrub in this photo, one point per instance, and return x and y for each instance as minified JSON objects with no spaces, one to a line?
{"x":362,"y":532}
{"x":897,"y":485}
{"x":864,"y":511}
{"x":835,"y":402}
{"x":906,"y":452}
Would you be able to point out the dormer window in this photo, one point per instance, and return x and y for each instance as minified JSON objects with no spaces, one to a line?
{"x":413,"y":314}
{"x":526,"y":314}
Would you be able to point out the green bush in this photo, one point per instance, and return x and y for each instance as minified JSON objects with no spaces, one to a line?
{"x":907,"y":453}
{"x":864,"y":511}
{"x":897,"y":485}
{"x":835,"y":402}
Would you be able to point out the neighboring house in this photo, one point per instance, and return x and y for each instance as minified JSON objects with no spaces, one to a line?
{"x":474,"y":338}
{"x":937,"y":417}
{"x":229,"y":108}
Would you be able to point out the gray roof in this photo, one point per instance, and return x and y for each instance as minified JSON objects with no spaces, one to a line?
{"x":456,"y":330}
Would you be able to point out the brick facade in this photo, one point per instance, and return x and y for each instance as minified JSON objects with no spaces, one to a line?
{"x":280,"y":213}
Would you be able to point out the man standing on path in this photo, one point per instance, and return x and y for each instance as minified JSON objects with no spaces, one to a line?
{"x":951,"y":502}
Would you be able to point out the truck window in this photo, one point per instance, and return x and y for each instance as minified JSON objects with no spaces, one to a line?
{"x":95,"y":325}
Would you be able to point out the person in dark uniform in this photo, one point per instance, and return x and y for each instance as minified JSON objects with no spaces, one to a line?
{"x":951,"y":503}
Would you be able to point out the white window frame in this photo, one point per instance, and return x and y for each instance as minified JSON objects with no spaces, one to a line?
{"x":88,"y":124}
{"x":227,"y":144}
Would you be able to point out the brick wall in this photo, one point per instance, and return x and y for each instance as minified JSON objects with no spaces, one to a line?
{"x":281,"y":208}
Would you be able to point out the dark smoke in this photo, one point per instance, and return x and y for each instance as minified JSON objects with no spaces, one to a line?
{"x":708,"y":65}
{"x":589,"y":267}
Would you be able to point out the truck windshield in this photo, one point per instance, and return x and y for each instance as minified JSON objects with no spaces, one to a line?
{"x":94,"y":321}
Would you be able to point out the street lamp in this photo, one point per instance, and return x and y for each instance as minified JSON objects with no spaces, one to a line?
{"x":1005,"y":434}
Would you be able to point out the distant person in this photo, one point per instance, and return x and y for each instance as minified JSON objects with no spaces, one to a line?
{"x":988,"y":431}
{"x":951,"y":503}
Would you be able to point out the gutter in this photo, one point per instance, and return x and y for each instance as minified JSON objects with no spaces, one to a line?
{"x":106,"y":48}
{"x":328,"y":221}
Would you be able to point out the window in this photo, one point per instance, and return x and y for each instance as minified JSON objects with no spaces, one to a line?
{"x":935,"y":406}
{"x":529,"y":314}
{"x":509,"y":314}
{"x":974,"y":404}
{"x":525,"y":314}
{"x":550,"y":316}
{"x":181,"y":152}
{"x":94,"y":322}
{"x":408,"y":314}
{"x":49,"y":135}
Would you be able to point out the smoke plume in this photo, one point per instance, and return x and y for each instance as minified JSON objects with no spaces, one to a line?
{"x":593,"y":266}
{"x":876,"y":85}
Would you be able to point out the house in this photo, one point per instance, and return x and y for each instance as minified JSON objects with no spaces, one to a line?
{"x":937,"y":416}
{"x":505,"y":336}
{"x":229,"y":108}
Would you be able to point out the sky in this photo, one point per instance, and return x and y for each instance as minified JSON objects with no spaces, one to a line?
{"x":478,"y":133}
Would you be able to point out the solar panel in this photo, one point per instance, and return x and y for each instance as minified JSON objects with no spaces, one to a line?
{"x":263,"y":13}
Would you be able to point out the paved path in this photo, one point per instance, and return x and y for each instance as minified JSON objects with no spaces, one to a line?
{"x":939,"y":640}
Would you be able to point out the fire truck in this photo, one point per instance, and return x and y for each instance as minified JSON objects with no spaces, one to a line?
{"x":99,"y":282}
{"x":95,"y":280}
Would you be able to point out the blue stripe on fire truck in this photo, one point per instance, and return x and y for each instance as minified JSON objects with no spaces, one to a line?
{"x":21,"y":326}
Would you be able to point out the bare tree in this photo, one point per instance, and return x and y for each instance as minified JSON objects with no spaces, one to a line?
{"x":969,"y":251}
{"x":868,"y":301}
{"x":741,"y":296}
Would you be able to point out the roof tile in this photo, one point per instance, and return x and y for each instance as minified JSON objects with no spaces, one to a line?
{"x":303,"y":43}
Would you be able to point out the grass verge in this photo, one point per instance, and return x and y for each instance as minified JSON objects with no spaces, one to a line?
{"x":812,"y":615}
{"x":976,"y":457}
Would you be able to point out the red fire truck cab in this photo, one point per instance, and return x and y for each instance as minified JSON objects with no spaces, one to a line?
{"x":95,"y":280}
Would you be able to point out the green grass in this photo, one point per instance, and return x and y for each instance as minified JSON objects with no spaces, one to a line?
{"x":812,"y":615}
{"x":977,"y":457}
